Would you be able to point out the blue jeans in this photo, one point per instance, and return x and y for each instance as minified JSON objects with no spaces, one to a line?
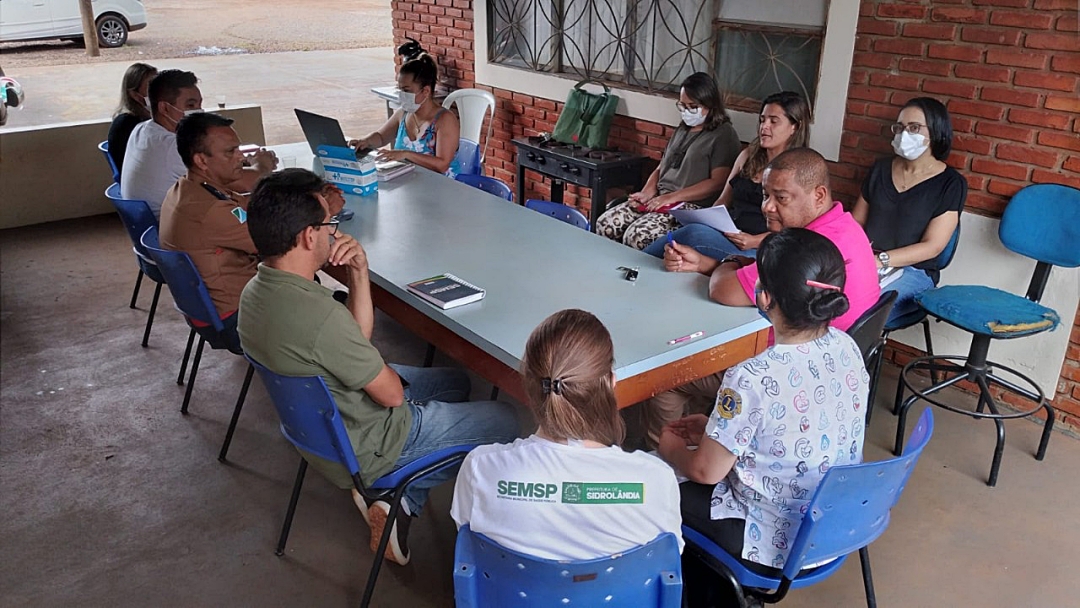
{"x":441,"y":420}
{"x":702,"y":239}
{"x":910,"y":284}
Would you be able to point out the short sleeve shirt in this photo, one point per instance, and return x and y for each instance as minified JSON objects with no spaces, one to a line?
{"x":294,"y":327}
{"x":861,"y":286}
{"x":151,"y":165}
{"x":579,"y":502}
{"x":787,"y":415}
{"x":898,"y":219}
{"x":701,"y":152}
{"x":209,"y":223}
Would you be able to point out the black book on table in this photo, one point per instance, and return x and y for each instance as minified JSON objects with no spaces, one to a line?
{"x":446,"y":291}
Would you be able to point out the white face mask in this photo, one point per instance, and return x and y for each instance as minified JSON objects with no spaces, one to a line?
{"x":408,"y":101}
{"x":693,"y":118}
{"x":910,"y":145}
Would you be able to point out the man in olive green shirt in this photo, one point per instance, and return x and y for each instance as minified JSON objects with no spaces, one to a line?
{"x":294,"y":327}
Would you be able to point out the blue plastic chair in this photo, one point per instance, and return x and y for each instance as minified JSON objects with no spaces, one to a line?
{"x":849,"y":510}
{"x":867,"y":331}
{"x":487,"y":184}
{"x":487,"y":574}
{"x":104,"y":147}
{"x":1041,"y":222}
{"x":136,"y":218}
{"x":310,"y":420}
{"x":194,"y":303}
{"x":561,"y":212}
{"x":468,"y":157}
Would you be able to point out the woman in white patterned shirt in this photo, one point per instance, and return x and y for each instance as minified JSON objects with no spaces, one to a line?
{"x":781,"y":418}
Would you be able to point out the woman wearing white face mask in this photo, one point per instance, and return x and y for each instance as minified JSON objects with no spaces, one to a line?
{"x":693,"y":170}
{"x":422,"y":132}
{"x":911,"y":203}
{"x":134,"y":108}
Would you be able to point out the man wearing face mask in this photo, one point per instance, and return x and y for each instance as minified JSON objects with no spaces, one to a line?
{"x":152,"y":164}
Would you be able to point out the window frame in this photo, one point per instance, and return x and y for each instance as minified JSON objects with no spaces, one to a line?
{"x":838,"y":47}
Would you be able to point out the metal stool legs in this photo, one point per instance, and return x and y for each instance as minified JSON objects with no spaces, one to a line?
{"x":135,"y":292}
{"x":976,"y":368}
{"x":297,"y":485}
{"x":187,"y":355}
{"x":150,"y":317}
{"x":236,"y":413}
{"x":194,"y":372}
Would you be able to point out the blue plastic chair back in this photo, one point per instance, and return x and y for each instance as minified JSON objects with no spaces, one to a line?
{"x":487,"y":574}
{"x":136,"y":218}
{"x":104,"y":147}
{"x":310,"y":419}
{"x":468,"y":157}
{"x":850,"y":508}
{"x":946,"y":256}
{"x":487,"y":184}
{"x":559,"y":211}
{"x":1043,"y":222}
{"x":187,"y":287}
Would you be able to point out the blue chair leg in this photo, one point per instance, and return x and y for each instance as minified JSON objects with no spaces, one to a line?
{"x":867,"y":577}
{"x":135,"y":292}
{"x":187,"y":354}
{"x":194,"y":372}
{"x":299,"y":483}
{"x":150,"y":317}
{"x":236,"y":413}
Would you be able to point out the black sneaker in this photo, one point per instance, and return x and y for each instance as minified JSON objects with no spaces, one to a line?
{"x":397,"y":550}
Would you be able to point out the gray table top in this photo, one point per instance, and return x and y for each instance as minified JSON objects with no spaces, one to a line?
{"x":531,"y":265}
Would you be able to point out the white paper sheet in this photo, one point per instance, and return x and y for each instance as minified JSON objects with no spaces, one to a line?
{"x":714,"y":217}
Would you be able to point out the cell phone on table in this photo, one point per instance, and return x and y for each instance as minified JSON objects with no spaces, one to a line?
{"x":344,"y":214}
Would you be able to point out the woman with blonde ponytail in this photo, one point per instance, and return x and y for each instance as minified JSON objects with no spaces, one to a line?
{"x":581,"y":495}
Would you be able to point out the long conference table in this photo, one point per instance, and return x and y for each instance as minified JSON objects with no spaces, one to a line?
{"x":531,"y":265}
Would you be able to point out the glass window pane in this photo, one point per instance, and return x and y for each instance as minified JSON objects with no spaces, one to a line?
{"x":753,"y":63}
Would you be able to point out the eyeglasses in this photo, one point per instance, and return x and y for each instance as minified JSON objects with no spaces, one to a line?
{"x":683,"y":107}
{"x":911,"y":127}
{"x":333,"y":224}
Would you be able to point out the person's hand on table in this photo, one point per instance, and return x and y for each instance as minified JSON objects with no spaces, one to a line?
{"x":264,"y":161}
{"x":745,"y":241}
{"x":387,"y":155}
{"x":335,"y":199}
{"x":346,"y":251}
{"x":680,"y":258}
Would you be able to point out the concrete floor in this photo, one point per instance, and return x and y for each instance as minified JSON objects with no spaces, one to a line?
{"x":110,"y":497}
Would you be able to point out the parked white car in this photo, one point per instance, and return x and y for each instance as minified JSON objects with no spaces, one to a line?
{"x":46,"y":19}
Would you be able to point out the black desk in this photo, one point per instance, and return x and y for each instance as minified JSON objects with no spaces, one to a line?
{"x":596,"y":170}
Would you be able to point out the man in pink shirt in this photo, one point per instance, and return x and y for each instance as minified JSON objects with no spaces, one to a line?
{"x":797,"y":195}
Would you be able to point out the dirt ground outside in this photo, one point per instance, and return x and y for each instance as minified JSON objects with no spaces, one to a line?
{"x":177,"y":28}
{"x":318,"y":55}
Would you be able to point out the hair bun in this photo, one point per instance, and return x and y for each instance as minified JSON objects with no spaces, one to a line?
{"x":826,"y":305}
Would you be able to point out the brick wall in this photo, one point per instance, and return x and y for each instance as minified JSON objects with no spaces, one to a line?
{"x":1008,"y":71}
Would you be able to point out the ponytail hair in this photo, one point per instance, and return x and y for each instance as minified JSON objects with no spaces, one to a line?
{"x":804,"y":274}
{"x":423,"y":70}
{"x":567,"y":374}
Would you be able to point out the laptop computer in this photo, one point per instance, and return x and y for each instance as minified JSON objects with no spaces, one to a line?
{"x":320,"y":130}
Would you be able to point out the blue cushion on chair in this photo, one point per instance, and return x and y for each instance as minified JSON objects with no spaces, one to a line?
{"x":988,"y":311}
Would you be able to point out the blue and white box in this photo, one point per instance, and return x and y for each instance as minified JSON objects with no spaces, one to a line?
{"x":341,"y":168}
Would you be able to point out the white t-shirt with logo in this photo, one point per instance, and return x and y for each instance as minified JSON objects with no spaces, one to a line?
{"x":559,"y":501}
{"x":788,"y":414}
{"x":151,"y":165}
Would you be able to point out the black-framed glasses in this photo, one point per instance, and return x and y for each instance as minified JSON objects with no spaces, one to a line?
{"x":683,"y":107}
{"x":333,"y":224}
{"x":911,"y":127}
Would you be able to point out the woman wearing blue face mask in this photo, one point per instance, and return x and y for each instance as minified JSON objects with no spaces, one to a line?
{"x":693,"y":170}
{"x":911,"y":202}
{"x":422,"y":132}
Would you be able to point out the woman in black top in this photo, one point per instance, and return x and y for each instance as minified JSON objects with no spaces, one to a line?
{"x":784,"y":123}
{"x":911,"y":202}
{"x":134,"y":108}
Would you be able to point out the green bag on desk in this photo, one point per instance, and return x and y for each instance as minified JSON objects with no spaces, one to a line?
{"x":586,"y":117}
